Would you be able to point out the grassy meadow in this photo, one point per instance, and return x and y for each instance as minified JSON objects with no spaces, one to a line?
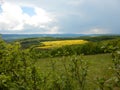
{"x":99,"y":66}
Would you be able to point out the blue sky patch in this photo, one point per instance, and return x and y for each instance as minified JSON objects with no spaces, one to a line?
{"x":0,"y":9}
{"x":28,"y":10}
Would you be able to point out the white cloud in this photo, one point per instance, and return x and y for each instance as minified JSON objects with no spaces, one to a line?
{"x":39,"y":19}
{"x":13,"y":18}
{"x":97,"y":31}
{"x":54,"y":30}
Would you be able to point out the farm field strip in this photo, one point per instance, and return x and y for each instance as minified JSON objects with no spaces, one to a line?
{"x":52,"y":44}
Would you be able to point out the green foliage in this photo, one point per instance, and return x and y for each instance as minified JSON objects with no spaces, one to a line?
{"x":18,"y":69}
{"x":116,"y":67}
{"x":113,"y":82}
{"x":87,"y":49}
{"x":18,"y":72}
{"x":78,"y":69}
{"x":14,"y":67}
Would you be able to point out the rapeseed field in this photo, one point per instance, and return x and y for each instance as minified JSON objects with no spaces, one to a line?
{"x":52,"y":44}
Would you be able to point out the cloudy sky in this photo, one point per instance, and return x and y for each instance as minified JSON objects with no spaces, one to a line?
{"x":60,"y":16}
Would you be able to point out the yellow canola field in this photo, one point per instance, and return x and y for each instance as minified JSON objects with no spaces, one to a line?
{"x":52,"y":44}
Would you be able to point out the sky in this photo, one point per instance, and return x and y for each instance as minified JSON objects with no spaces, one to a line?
{"x":60,"y":16}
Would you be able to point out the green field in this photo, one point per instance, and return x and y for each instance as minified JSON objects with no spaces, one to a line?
{"x":98,"y":66}
{"x":97,"y":63}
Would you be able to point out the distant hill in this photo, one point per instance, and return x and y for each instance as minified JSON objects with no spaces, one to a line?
{"x":12,"y":37}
